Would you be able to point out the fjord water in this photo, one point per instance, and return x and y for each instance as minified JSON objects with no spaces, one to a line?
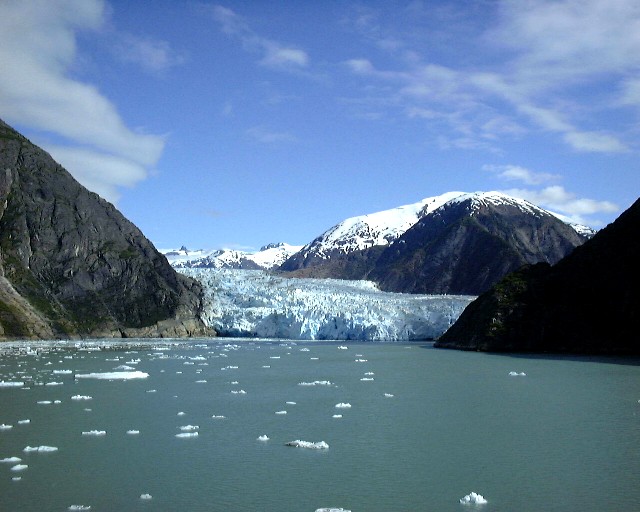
{"x":425,"y":428}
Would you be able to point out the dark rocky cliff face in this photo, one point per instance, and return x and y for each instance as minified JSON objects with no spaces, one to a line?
{"x":587,"y":303}
{"x":464,"y":248}
{"x":72,"y":265}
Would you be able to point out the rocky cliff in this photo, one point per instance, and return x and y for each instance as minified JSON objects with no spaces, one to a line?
{"x":586,"y":303}
{"x":72,"y":266}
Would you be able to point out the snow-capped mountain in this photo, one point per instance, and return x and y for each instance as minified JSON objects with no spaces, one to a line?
{"x":380,"y":229}
{"x":365,"y":231}
{"x":466,"y":240}
{"x":254,"y":303}
{"x":268,"y":257}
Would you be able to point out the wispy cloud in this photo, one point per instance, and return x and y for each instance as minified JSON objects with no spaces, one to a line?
{"x":37,"y":48}
{"x":264,"y":135}
{"x":154,"y":55}
{"x":556,"y":67}
{"x":273,"y":53}
{"x":553,"y":197}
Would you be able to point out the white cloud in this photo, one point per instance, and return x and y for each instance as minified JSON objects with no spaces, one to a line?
{"x":37,"y":47}
{"x":267,"y":136}
{"x":556,"y":198}
{"x":517,"y":173}
{"x":151,"y":54}
{"x":274,"y":53}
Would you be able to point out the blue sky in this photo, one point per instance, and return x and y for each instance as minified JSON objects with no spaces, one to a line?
{"x":236,"y":124}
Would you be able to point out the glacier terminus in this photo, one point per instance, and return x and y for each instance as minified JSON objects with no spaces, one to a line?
{"x":260,"y":304}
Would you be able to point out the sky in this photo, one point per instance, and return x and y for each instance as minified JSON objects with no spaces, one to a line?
{"x":241,"y":123}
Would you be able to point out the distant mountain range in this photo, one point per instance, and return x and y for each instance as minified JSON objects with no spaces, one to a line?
{"x":586,"y":303}
{"x":457,"y":243}
{"x":72,"y":266}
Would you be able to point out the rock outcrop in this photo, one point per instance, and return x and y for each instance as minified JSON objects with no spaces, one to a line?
{"x":71,"y":265}
{"x":587,"y":303}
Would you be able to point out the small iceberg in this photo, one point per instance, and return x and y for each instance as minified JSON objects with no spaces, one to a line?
{"x":24,"y":422}
{"x":62,"y":372}
{"x":145,"y":496}
{"x":189,"y":428}
{"x":366,"y":379}
{"x":241,"y":392}
{"x":54,"y":383}
{"x":40,"y":449}
{"x":516,"y":374}
{"x":473,"y":499}
{"x":316,"y":383}
{"x":95,"y":433}
{"x":5,"y":427}
{"x":263,"y":438}
{"x":187,"y":434}
{"x":113,"y":375}
{"x":133,"y":432}
{"x":79,"y":507}
{"x":81,"y":397}
{"x":332,"y":509}
{"x":337,"y":416}
{"x":19,"y":467}
{"x":343,"y":406}
{"x":11,"y":460}
{"x":320,"y":445}
{"x":388,"y":395}
{"x":9,"y":384}
{"x":217,"y":417}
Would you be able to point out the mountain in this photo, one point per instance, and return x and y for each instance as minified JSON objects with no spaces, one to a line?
{"x":72,"y":266}
{"x":454,"y":243}
{"x":268,"y":257}
{"x":586,"y":303}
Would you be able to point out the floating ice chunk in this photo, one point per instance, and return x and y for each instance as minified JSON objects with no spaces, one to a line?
{"x":314,"y":358}
{"x":11,"y":460}
{"x":218,"y":417}
{"x":291,"y":403}
{"x":9,"y":384}
{"x":133,"y":432}
{"x":24,"y":422}
{"x":95,"y":433}
{"x":332,"y":509}
{"x":79,"y":507}
{"x":145,"y":496}
{"x":304,"y":350}
{"x":274,"y":357}
{"x":44,"y":402}
{"x":516,"y":374}
{"x":5,"y":427}
{"x":124,"y":367}
{"x":263,"y":438}
{"x":114,"y":375}
{"x":240,"y":392}
{"x":320,"y":445}
{"x":342,"y":347}
{"x":281,"y":412}
{"x":187,"y":434}
{"x":388,"y":395}
{"x":198,"y":358}
{"x":189,"y":428}
{"x":369,"y":373}
{"x":473,"y":499}
{"x":366,"y":379}
{"x":181,"y":413}
{"x":54,"y":383}
{"x":316,"y":383}
{"x":40,"y":449}
{"x":201,"y":381}
{"x":150,"y":391}
{"x":81,"y":397}
{"x":16,"y":478}
{"x":266,"y":366}
{"x":361,"y":360}
{"x":57,"y":401}
{"x":62,"y":372}
{"x":337,"y":416}
{"x":19,"y":467}
{"x":343,"y":406}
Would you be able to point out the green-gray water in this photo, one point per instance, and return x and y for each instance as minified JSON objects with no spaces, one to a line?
{"x":425,"y":428}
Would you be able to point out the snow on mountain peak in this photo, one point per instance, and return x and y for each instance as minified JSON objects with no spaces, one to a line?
{"x":380,"y":228}
{"x":495,"y":198}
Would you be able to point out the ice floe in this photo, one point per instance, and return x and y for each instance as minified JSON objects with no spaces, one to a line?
{"x":473,"y":499}
{"x":337,"y":416}
{"x":343,"y":406}
{"x":10,"y":384}
{"x":81,"y":397}
{"x":19,"y":467}
{"x":316,"y":383}
{"x":95,"y":433}
{"x":5,"y":427}
{"x":11,"y":460}
{"x":79,"y":507}
{"x":54,"y":383}
{"x":218,"y":417}
{"x":240,"y":392}
{"x":189,"y":428}
{"x":201,"y":381}
{"x":388,"y":395}
{"x":366,"y":379}
{"x":113,"y":375}
{"x":181,"y":413}
{"x":320,"y":445}
{"x":40,"y":449}
{"x":187,"y":434}
{"x":332,"y":509}
{"x":291,"y":403}
{"x":24,"y":422}
{"x":281,"y":412}
{"x":517,"y":374}
{"x":145,"y":496}
{"x":263,"y":438}
{"x":62,"y":372}
{"x":124,"y":367}
{"x":133,"y":432}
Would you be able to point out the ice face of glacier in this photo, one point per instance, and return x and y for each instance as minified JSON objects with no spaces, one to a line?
{"x":254,"y":303}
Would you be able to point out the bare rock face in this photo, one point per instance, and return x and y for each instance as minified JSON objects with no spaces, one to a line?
{"x":72,"y":265}
{"x":587,"y":303}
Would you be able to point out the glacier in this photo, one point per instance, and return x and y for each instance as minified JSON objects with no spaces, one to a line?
{"x":260,"y":304}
